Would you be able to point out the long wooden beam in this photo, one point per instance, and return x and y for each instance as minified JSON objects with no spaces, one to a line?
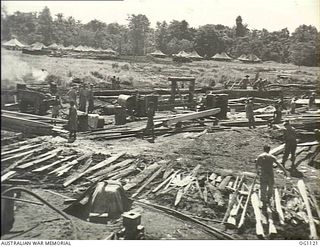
{"x":190,"y":116}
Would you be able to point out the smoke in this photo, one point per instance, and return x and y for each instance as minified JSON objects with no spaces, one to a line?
{"x":14,"y":71}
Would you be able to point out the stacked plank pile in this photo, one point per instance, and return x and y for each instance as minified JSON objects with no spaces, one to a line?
{"x":28,"y":123}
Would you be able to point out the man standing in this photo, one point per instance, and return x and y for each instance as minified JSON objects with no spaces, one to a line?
{"x":293,"y":105}
{"x":290,"y":139}
{"x":72,"y":94}
{"x":90,"y":99}
{"x":150,"y":123}
{"x":312,"y":101}
{"x":244,"y":82}
{"x":72,"y":122}
{"x":83,"y":98}
{"x":264,"y":167}
{"x":277,"y":114}
{"x":56,"y":105}
{"x":250,"y":114}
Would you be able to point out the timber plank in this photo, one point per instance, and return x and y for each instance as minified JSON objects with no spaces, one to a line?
{"x":40,"y":169}
{"x":96,"y":167}
{"x":304,"y":195}
{"x":151,"y":178}
{"x":141,"y":176}
{"x":49,"y":155}
{"x":255,"y":204}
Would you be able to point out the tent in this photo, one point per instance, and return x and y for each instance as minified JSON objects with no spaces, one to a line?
{"x":79,"y":48}
{"x":251,"y":58}
{"x":158,"y":53}
{"x":38,"y":46}
{"x":221,"y":57}
{"x":13,"y":44}
{"x":195,"y":56}
{"x":53,"y":46}
{"x":182,"y":54}
{"x":243,"y":58}
{"x":70,"y":47}
{"x":110,"y":51}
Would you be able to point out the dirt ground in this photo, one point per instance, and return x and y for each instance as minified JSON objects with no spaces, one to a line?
{"x":230,"y":151}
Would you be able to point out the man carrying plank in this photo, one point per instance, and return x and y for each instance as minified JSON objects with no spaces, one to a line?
{"x":264,"y":167}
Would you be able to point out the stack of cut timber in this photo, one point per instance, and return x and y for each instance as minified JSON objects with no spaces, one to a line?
{"x":28,"y":123}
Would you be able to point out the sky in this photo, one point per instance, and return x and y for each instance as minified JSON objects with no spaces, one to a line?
{"x":270,"y":14}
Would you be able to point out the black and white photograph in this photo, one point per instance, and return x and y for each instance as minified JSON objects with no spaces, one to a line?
{"x":160,"y":120}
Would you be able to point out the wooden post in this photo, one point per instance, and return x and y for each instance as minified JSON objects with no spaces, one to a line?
{"x":173,"y":91}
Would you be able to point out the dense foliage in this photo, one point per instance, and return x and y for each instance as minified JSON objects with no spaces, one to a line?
{"x":137,"y":37}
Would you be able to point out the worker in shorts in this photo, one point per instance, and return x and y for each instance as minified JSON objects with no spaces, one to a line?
{"x":72,"y":122}
{"x":290,"y":139}
{"x":264,"y":168}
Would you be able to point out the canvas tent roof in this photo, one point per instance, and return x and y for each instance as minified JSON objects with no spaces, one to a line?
{"x":109,"y":50}
{"x":182,"y":54}
{"x":158,"y":53}
{"x":79,"y":48}
{"x":253,"y":57}
{"x":194,"y":54}
{"x":249,"y":58}
{"x":221,"y":56}
{"x":243,"y":57}
{"x":53,"y":46}
{"x":70,"y":47}
{"x":13,"y":43}
{"x":38,"y":46}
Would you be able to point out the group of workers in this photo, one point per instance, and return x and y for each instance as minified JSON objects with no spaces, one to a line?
{"x":265,"y":161}
{"x":245,"y":82}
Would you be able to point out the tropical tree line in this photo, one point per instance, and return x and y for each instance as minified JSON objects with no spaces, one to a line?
{"x":302,"y":47}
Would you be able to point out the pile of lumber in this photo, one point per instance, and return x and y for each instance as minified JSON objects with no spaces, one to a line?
{"x":31,"y":124}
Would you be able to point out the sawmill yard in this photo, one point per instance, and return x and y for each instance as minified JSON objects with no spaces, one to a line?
{"x":181,"y":184}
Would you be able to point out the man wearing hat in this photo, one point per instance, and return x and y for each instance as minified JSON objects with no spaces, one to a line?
{"x":249,"y":113}
{"x":290,"y":144}
{"x":312,"y":101}
{"x":244,"y":82}
{"x":72,"y":93}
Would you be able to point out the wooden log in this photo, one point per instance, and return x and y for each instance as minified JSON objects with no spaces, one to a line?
{"x":272,"y":228}
{"x":167,"y":180}
{"x":232,"y":201}
{"x":255,"y":204}
{"x":277,"y":150}
{"x":42,"y":168}
{"x":14,"y":165}
{"x":107,"y":170}
{"x":141,"y":177}
{"x":308,"y":144}
{"x":278,"y":206}
{"x":96,"y":167}
{"x":24,"y":148}
{"x":125,"y":172}
{"x":190,"y":116}
{"x":150,"y":179}
{"x":23,"y":154}
{"x":216,"y":194}
{"x":48,"y":156}
{"x":304,"y":195}
{"x":234,"y":212}
{"x":224,"y":182}
{"x":8,"y":175}
{"x":244,"y":211}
